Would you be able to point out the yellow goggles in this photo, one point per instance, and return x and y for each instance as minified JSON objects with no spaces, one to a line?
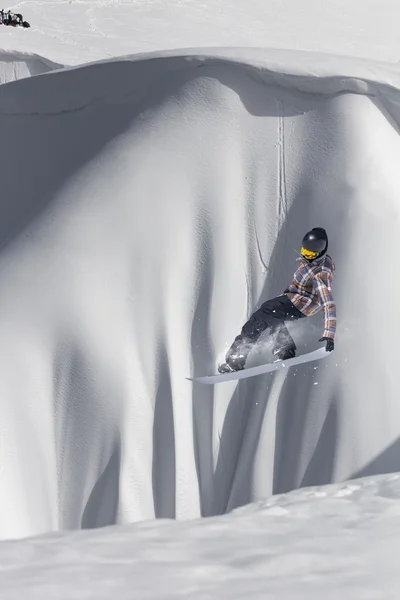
{"x":308,"y":254}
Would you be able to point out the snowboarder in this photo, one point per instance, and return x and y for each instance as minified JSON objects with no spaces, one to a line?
{"x":309,"y":292}
{"x":12,"y":19}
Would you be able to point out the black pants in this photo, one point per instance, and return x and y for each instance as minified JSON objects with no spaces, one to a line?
{"x":271,"y":315}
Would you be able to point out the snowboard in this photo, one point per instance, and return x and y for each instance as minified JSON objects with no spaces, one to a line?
{"x":267,"y":368}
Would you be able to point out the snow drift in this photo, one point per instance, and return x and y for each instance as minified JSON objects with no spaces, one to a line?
{"x":150,"y":205}
{"x":18,"y":65}
{"x":336,"y":541}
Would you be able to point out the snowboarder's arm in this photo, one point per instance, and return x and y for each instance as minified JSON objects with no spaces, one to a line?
{"x":324,"y":289}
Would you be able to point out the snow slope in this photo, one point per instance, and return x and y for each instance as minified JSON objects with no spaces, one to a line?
{"x":151,"y":204}
{"x":18,"y":65}
{"x":76,"y":31}
{"x":333,"y":542}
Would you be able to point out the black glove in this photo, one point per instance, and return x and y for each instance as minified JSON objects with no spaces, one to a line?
{"x":330,"y":344}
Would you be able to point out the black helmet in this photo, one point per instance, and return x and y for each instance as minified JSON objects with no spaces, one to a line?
{"x":314,"y":244}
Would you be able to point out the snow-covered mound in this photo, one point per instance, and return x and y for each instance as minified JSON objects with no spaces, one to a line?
{"x":19,"y":65}
{"x":331,"y":542}
{"x":149,"y":206}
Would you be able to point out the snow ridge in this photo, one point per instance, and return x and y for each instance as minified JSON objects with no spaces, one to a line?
{"x":18,"y":65}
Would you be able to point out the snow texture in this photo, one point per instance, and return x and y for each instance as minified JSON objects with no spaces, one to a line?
{"x":17,"y":65}
{"x":150,"y":202}
{"x":332,"y":542}
{"x":77,"y":31}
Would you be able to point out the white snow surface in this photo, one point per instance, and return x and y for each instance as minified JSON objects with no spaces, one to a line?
{"x":77,"y":31}
{"x":150,"y":203}
{"x":18,"y":65}
{"x":333,"y":542}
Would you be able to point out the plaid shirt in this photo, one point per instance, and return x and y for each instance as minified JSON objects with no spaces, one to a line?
{"x":311,"y":291}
